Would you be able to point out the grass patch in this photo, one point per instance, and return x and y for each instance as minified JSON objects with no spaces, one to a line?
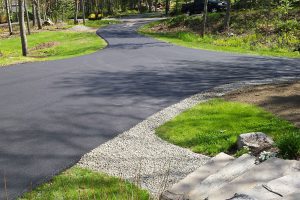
{"x":79,"y":183}
{"x":68,"y":44}
{"x":214,"y":126}
{"x":250,"y":35}
{"x":100,"y":23}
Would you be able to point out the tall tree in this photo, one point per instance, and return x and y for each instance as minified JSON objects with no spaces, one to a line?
{"x":227,"y":16}
{"x":34,"y":15}
{"x":38,"y":13}
{"x":76,"y":12}
{"x":22,"y":28}
{"x":204,"y":18}
{"x":8,"y":17}
{"x":27,"y":18}
{"x":83,"y":11}
{"x":167,"y":7}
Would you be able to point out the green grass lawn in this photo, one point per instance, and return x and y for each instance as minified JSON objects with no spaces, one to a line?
{"x":50,"y":45}
{"x":100,"y":23}
{"x":214,"y":126}
{"x":192,"y":40}
{"x":79,"y":183}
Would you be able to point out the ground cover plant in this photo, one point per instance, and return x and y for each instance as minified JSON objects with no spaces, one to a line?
{"x":79,"y":183}
{"x":214,"y":126}
{"x":251,"y":31}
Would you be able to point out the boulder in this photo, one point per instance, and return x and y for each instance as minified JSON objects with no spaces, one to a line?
{"x":48,"y":22}
{"x":254,"y":141}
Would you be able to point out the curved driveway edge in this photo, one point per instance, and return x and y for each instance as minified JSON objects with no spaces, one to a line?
{"x":54,"y":112}
{"x":158,"y":164}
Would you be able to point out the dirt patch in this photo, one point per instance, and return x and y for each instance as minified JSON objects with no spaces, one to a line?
{"x":45,"y":45}
{"x":281,"y":99}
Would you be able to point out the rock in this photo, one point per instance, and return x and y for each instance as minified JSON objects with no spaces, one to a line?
{"x":48,"y":22}
{"x":254,"y":141}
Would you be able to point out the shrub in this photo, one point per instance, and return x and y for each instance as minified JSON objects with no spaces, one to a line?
{"x":99,"y":16}
{"x":287,"y":26}
{"x":289,"y":145}
{"x":92,"y":16}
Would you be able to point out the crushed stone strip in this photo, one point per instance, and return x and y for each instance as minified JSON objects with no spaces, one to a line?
{"x":141,"y":157}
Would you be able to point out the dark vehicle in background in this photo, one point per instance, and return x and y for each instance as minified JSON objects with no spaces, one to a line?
{"x":197,"y":6}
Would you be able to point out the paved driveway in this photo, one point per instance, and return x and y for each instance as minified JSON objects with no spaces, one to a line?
{"x":51,"y":113}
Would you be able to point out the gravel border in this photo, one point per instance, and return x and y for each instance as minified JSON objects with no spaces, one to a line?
{"x":139,"y":156}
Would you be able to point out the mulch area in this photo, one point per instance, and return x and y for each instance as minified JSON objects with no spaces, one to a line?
{"x":281,"y":99}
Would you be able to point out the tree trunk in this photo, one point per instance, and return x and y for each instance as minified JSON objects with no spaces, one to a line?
{"x":8,"y":17}
{"x":27,"y":18}
{"x":22,"y":27}
{"x":204,"y":18}
{"x":17,"y":11}
{"x":76,"y":12}
{"x":150,"y":4}
{"x":38,"y":13}
{"x":155,"y":6}
{"x":140,"y":6}
{"x":83,"y":11}
{"x":34,"y":15}
{"x":167,"y":7}
{"x":227,"y":16}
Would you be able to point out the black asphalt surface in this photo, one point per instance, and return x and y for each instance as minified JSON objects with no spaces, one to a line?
{"x":51,"y":113}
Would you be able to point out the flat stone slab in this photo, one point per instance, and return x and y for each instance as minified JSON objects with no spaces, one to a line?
{"x":216,"y":181}
{"x":180,"y":189}
{"x":277,"y":188}
{"x":260,"y":174}
{"x":293,"y":196}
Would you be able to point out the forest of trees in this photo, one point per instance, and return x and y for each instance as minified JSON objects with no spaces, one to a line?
{"x":38,"y":11}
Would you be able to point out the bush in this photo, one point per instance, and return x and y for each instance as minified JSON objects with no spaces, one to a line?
{"x":289,"y":145}
{"x":99,"y":16}
{"x":288,"y":26}
{"x":92,"y":16}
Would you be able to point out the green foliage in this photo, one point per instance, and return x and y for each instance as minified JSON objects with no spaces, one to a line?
{"x":288,"y":26}
{"x":79,"y":183}
{"x":290,"y":145}
{"x":253,"y":32}
{"x":242,"y":151}
{"x":214,"y":126}
{"x":62,"y":9}
{"x":285,"y":6}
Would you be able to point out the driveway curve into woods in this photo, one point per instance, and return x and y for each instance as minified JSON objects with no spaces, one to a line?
{"x":51,"y":113}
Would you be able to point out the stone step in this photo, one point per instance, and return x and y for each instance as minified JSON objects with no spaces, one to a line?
{"x":277,"y":188}
{"x":293,"y":196}
{"x":260,"y":174}
{"x":224,"y":176}
{"x":180,"y":189}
